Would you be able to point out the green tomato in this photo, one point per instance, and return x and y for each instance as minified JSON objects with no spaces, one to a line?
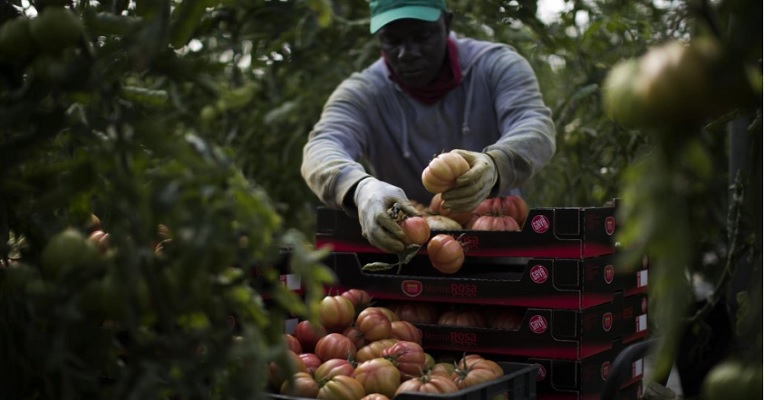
{"x":733,"y":380}
{"x":16,"y":43}
{"x":621,"y":101}
{"x":56,"y":29}
{"x":66,"y":251}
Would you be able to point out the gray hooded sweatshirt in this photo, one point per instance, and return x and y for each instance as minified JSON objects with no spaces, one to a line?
{"x":369,"y":126}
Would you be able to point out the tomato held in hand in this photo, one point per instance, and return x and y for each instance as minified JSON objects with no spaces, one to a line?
{"x":442,"y":172}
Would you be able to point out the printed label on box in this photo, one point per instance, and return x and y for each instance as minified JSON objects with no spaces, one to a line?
{"x":604,"y":369}
{"x":541,"y":372}
{"x":411,"y":287}
{"x":538,"y":324}
{"x":539,"y":274}
{"x":642,"y":278}
{"x":608,"y":273}
{"x":540,"y":224}
{"x":292,"y":281}
{"x":641,"y":323}
{"x":637,"y":368}
{"x":610,"y":225}
{"x":608,"y":321}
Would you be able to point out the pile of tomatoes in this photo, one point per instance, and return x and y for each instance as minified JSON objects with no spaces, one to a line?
{"x":359,"y":351}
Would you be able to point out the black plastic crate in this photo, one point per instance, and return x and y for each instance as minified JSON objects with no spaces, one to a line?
{"x":518,"y":383}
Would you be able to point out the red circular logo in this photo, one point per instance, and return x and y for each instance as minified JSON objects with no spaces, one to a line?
{"x":608,"y":273}
{"x":411,"y":288}
{"x":644,"y":305}
{"x":541,"y":372}
{"x":610,"y":225}
{"x":604,"y":369}
{"x":539,"y":274}
{"x":540,"y":224}
{"x":608,"y":321}
{"x":538,"y":324}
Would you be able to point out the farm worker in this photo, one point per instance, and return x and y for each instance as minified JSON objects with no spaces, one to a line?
{"x":430,"y":92}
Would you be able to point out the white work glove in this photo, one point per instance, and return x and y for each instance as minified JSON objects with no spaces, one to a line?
{"x":474,"y":186}
{"x":373,"y":199}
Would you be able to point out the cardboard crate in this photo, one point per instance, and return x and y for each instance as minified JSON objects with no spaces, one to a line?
{"x":558,"y":379}
{"x":635,"y":318}
{"x":566,"y":232}
{"x":516,"y":384}
{"x":536,"y":282}
{"x":543,"y":332}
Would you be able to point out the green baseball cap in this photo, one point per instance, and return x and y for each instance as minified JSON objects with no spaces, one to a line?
{"x":386,"y":11}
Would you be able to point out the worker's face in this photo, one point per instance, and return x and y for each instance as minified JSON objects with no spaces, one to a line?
{"x":415,"y":49}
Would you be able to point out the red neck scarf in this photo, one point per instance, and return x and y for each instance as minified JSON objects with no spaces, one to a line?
{"x":449,"y":77}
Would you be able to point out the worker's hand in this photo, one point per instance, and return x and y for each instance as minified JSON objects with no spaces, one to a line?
{"x":373,"y":199}
{"x":473,"y":186}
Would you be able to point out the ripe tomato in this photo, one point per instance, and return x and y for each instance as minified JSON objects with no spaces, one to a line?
{"x":445,"y":253}
{"x":416,"y":229}
{"x":513,"y":206}
{"x":308,"y":334}
{"x":733,"y":380}
{"x":404,"y":330}
{"x":373,"y":324}
{"x":494,"y":223}
{"x":374,"y":349}
{"x":277,"y":374}
{"x":332,"y":368}
{"x":336,"y":313}
{"x":335,"y":345}
{"x":417,"y":312}
{"x":442,"y":223}
{"x":357,"y":338}
{"x":375,"y":396}
{"x":409,"y":358}
{"x":428,"y":384}
{"x":436,"y":208}
{"x":360,"y":298}
{"x":293,"y":344}
{"x":462,"y":318}
{"x":477,"y":370}
{"x":443,"y":368}
{"x":302,"y":385}
{"x":311,"y":361}
{"x":442,"y":172}
{"x":341,"y":387}
{"x":388,"y":313}
{"x":509,"y":319}
{"x":378,"y":375}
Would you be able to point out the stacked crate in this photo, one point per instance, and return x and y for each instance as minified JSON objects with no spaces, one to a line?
{"x":577,"y":306}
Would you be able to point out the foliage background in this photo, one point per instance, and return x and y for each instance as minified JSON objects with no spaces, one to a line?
{"x":182,"y":112}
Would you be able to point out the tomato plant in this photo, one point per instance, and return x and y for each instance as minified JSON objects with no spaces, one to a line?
{"x":445,"y":253}
{"x":378,"y":375}
{"x":442,"y":172}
